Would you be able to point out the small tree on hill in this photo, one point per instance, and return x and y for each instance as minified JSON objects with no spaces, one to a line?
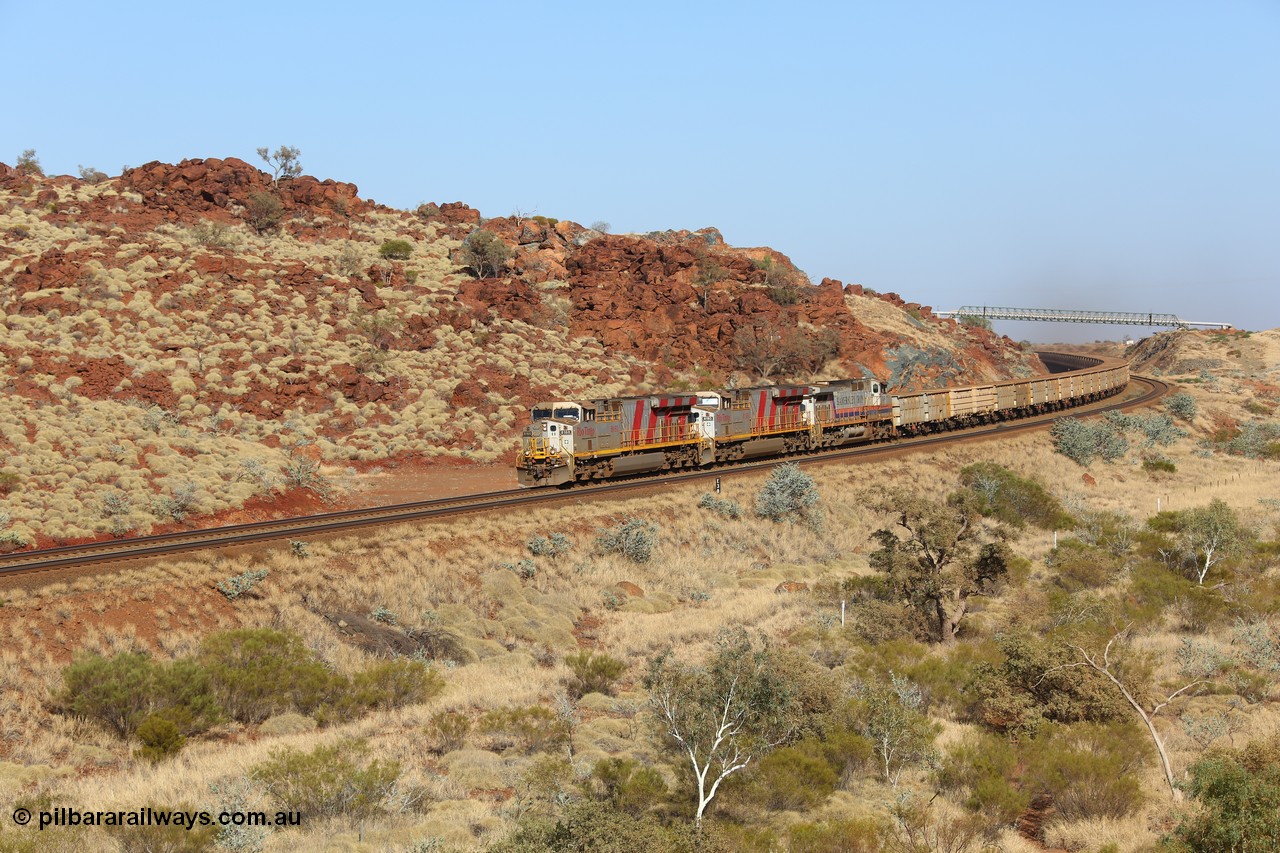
{"x":934,"y":557}
{"x":396,"y":250}
{"x":485,"y":253}
{"x":725,"y":714}
{"x":1208,"y":535}
{"x":29,"y":164}
{"x":765,"y":348}
{"x":709,"y":274}
{"x":263,"y":212}
{"x":1106,"y":664}
{"x":891,"y":715}
{"x":283,"y":162}
{"x":813,"y":351}
{"x":90,"y":175}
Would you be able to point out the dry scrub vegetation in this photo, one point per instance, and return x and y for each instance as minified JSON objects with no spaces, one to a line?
{"x":148,"y":359}
{"x":511,"y":611}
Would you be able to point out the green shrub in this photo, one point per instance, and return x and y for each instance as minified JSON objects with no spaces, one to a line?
{"x":329,"y":781}
{"x":627,"y":785}
{"x":854,"y":835}
{"x":1026,"y":689}
{"x":1083,"y":441}
{"x":633,"y":539}
{"x":178,"y":504}
{"x":846,"y":752}
{"x":9,"y":481}
{"x":394,"y":684}
{"x":183,"y":694}
{"x":258,"y":673}
{"x":724,"y":506}
{"x":122,"y":691}
{"x":1256,"y":440}
{"x":790,"y":495}
{"x":396,"y":250}
{"x":28,"y":163}
{"x":556,"y":546}
{"x":1089,"y":769}
{"x":1156,"y":429}
{"x":531,"y":729}
{"x":527,"y":569}
{"x":983,"y":769}
{"x":1015,"y":500}
{"x":447,"y":731}
{"x":213,"y":235}
{"x":593,"y":673}
{"x":1182,"y":406}
{"x":1240,"y":794}
{"x":1075,"y":565}
{"x":116,"y":503}
{"x":90,"y":175}
{"x":596,"y":826}
{"x":1259,"y":645}
{"x":237,"y":585}
{"x":160,"y":738}
{"x":263,"y":211}
{"x":384,"y":615}
{"x":303,"y":473}
{"x":116,"y":692}
{"x":793,"y":778}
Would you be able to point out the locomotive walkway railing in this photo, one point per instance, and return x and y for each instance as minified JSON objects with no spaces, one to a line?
{"x":1059,"y":315}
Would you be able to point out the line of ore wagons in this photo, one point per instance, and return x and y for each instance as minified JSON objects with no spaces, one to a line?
{"x":582,"y":441}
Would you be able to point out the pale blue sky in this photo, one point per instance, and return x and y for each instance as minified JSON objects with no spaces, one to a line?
{"x":1120,"y":155}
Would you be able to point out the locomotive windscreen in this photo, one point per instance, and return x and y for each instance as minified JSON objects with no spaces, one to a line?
{"x":564,"y":413}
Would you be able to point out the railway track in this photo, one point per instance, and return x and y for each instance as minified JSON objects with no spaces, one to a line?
{"x":65,"y":557}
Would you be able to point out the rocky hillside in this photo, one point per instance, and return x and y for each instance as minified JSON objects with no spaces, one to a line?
{"x":182,"y":340}
{"x":1255,"y":355}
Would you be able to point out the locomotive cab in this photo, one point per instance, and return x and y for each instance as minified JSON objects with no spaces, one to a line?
{"x":546,"y":444}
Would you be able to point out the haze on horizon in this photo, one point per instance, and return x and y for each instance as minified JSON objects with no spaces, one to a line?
{"x":1085,"y":155}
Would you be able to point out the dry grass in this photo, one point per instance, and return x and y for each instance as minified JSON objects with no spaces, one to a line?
{"x":213,"y":342}
{"x":707,"y":573}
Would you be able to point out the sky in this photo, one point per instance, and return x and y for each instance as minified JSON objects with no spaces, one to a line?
{"x":1088,"y":155}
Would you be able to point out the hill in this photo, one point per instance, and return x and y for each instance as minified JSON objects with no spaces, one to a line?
{"x":449,"y":683}
{"x":202,"y":340}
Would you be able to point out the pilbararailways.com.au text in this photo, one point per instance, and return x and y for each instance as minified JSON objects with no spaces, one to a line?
{"x":66,"y":816}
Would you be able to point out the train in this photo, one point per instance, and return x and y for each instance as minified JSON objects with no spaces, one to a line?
{"x":568,"y":442}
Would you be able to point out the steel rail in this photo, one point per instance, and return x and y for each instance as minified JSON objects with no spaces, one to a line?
{"x":68,"y":556}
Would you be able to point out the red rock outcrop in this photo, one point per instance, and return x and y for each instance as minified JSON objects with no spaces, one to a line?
{"x":214,"y":184}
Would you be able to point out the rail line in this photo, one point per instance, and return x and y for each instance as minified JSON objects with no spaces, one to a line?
{"x":68,"y":556}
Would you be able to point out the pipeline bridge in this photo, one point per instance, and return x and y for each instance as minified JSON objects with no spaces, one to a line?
{"x":1059,"y":315}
